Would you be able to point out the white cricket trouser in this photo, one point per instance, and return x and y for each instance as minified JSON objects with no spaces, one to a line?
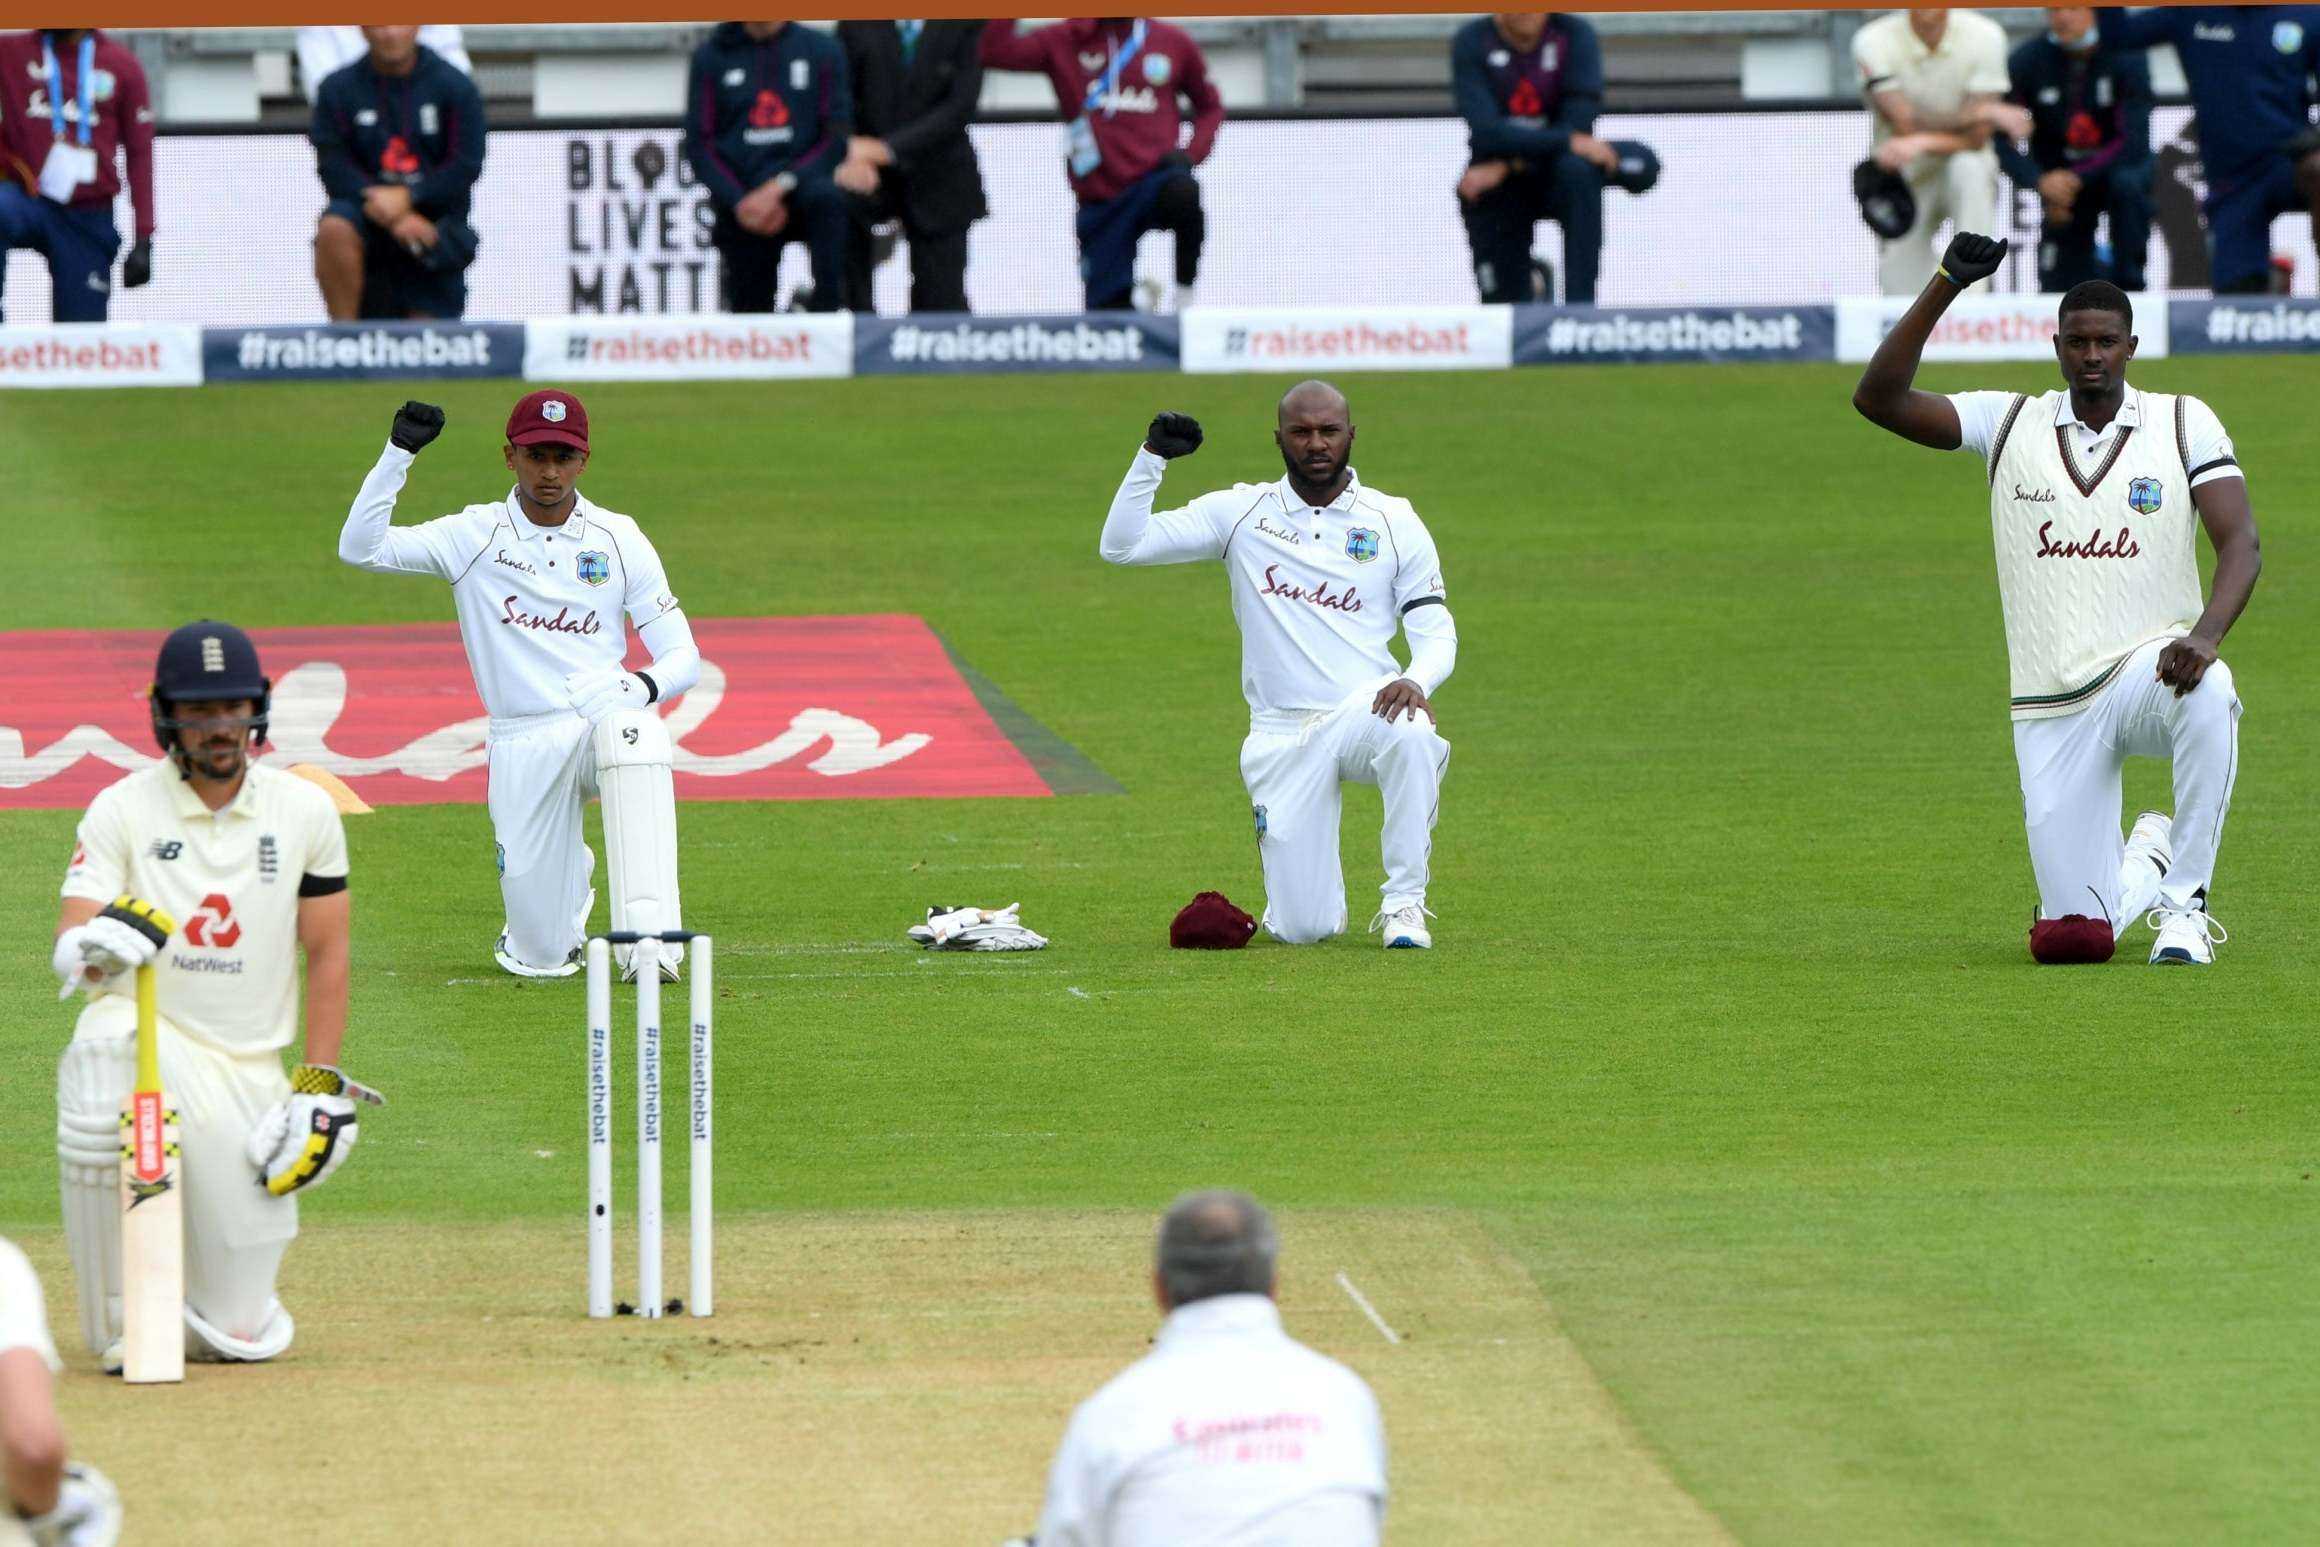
{"x":1294,"y":765}
{"x":235,"y":1231}
{"x":1962,"y":188}
{"x":2071,"y":790}
{"x":542,"y":772}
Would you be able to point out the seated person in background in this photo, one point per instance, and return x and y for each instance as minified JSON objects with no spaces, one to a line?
{"x":1119,"y":82}
{"x":1936,"y":81}
{"x":2251,"y":70}
{"x":915,"y":86}
{"x":73,"y":108}
{"x":767,"y":112}
{"x":2089,"y":152}
{"x":1529,"y":88}
{"x":324,"y":51}
{"x":398,"y":139}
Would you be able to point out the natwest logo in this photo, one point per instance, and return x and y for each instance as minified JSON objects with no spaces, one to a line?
{"x":213,"y":926}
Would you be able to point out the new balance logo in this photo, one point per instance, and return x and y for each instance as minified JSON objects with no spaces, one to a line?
{"x":167,"y":848}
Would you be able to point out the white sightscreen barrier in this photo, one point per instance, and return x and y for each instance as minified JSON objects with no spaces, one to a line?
{"x":1750,"y":207}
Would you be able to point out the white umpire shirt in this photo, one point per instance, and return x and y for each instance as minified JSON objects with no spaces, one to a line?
{"x":1230,"y":1433}
{"x":536,"y":603}
{"x":1319,"y":593}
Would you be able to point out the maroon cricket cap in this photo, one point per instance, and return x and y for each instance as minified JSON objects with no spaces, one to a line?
{"x":1210,"y":923}
{"x":549,"y":417}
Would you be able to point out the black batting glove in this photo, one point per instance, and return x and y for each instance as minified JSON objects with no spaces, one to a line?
{"x":1972,"y":258}
{"x":137,"y":268}
{"x":1173,"y":436}
{"x":415,"y":425}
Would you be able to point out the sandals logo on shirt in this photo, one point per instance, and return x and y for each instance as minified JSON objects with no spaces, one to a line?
{"x":1361,"y":545}
{"x":2145,"y":496}
{"x":593,"y":567}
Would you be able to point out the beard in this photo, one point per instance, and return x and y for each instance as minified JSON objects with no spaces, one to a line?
{"x":1299,"y":474}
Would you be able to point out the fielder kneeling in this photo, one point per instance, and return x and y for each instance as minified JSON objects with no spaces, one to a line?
{"x":252,"y":863}
{"x":1323,"y":570}
{"x":540,"y":580}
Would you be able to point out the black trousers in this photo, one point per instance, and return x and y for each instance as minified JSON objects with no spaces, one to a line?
{"x":1567,"y":191}
{"x":2066,"y":251}
{"x":752,"y":263}
{"x":938,"y":259}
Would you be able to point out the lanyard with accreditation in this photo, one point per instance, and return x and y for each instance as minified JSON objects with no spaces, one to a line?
{"x":69,"y":165}
{"x":1079,"y":136}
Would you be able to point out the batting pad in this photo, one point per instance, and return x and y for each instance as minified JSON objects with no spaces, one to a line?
{"x":633,"y":754}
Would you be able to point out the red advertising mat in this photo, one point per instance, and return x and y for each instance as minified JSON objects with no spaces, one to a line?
{"x":848,"y":708}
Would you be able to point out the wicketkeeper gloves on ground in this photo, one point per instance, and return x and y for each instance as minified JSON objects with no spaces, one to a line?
{"x":975,"y":929}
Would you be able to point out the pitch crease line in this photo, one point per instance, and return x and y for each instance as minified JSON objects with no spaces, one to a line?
{"x":1367,"y":1309}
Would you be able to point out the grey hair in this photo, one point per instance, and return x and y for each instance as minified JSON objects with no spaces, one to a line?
{"x":1213,"y":1243}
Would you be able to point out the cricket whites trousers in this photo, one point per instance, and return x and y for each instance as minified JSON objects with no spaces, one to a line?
{"x":1295,"y":764}
{"x":2071,"y":790}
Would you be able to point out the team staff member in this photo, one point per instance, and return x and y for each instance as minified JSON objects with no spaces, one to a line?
{"x":62,"y":1503}
{"x":2251,"y":71}
{"x":541,"y":579}
{"x":1529,"y":87}
{"x":767,"y":116}
{"x":1229,"y":1429}
{"x":72,"y":103}
{"x":1119,"y":83}
{"x":915,"y":86}
{"x":251,"y":862}
{"x":2089,"y":152}
{"x":398,"y":138}
{"x":1323,"y":569}
{"x":1936,"y":82}
{"x":2096,"y":496}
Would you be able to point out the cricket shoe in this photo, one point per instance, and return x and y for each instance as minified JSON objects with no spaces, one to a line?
{"x":628,"y":973}
{"x":1404,"y":928}
{"x":2152,"y":839}
{"x":508,"y":963}
{"x":2187,"y":936}
{"x":2150,"y":851}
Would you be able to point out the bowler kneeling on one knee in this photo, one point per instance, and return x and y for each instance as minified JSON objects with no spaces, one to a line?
{"x":1323,"y":571}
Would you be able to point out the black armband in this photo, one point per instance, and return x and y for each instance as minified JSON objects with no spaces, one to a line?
{"x":652,"y":689}
{"x":321,"y":886}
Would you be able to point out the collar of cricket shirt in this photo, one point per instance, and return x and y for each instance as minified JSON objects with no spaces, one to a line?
{"x":2130,"y":411}
{"x":527,"y":530}
{"x":1294,"y":503}
{"x":1220,"y":1316}
{"x":190,"y":806}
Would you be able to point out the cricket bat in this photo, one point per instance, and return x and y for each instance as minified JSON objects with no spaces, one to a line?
{"x":152,"y":1203}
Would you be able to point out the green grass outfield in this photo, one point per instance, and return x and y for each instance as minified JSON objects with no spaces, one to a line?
{"x":1872,"y":1231}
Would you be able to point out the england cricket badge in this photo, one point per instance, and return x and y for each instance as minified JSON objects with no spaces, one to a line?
{"x":1361,"y":545}
{"x":593,"y":567}
{"x":2145,"y":495}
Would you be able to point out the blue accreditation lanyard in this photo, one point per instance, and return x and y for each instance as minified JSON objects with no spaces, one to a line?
{"x":84,"y":96}
{"x":1099,"y":92}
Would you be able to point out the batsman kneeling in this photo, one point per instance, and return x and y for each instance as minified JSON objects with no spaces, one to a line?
{"x":193,"y":886}
{"x":540,"y":580}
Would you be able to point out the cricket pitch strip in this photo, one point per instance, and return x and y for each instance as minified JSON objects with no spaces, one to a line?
{"x":872,"y":1378}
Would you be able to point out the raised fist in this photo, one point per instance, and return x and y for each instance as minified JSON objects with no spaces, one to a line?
{"x":1972,"y":257}
{"x":415,"y":425}
{"x":1173,"y":436}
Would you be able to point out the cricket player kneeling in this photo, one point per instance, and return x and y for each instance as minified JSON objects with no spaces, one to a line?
{"x":251,"y":866}
{"x":541,"y":580}
{"x":1323,"y":570}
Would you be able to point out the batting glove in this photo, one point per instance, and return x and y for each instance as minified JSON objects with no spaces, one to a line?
{"x":87,"y":1513}
{"x":301,"y":1141}
{"x":599,"y":692}
{"x":124,"y":937}
{"x":1972,"y":258}
{"x":415,"y":425}
{"x":1173,"y":436}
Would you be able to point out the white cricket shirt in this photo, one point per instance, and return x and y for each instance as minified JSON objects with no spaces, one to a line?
{"x":1970,"y":61}
{"x":535,"y":603}
{"x":2095,"y":532}
{"x":231,"y":878}
{"x":1319,"y":593}
{"x":23,"y":1317}
{"x":1230,"y":1433}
